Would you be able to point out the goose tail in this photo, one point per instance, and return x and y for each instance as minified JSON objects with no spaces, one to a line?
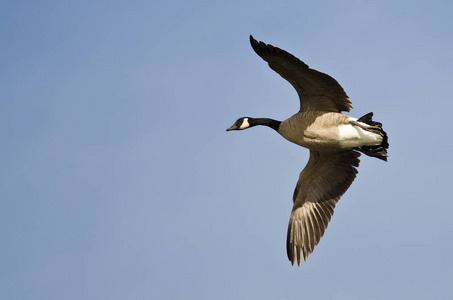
{"x":379,"y":151}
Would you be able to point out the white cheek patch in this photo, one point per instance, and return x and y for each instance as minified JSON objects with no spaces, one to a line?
{"x":245,"y":124}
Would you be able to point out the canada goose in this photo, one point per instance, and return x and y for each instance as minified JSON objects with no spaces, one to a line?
{"x":334,"y":141}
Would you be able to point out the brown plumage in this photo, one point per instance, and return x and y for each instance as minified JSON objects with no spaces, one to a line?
{"x":333,"y":138}
{"x":317,"y":91}
{"x":325,"y":178}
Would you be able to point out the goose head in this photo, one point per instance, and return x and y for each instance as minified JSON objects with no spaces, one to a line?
{"x":246,"y":122}
{"x":240,"y":124}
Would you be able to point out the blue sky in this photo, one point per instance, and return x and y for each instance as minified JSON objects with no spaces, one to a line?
{"x":118,"y":180}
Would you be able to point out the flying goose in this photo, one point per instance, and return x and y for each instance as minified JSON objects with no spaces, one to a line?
{"x":335,"y":141}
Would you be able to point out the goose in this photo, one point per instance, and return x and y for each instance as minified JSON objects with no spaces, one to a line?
{"x":334,"y":139}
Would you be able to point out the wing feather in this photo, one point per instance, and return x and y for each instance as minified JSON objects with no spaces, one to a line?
{"x":325,"y":178}
{"x":317,"y":91}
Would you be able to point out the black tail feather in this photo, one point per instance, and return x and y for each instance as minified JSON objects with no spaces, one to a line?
{"x":375,"y":151}
{"x":368,"y":119}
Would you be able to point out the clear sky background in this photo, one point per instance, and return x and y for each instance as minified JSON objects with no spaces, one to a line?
{"x":118,"y":180}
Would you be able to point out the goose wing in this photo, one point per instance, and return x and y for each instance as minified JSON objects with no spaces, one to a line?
{"x":322,"y":182}
{"x":317,"y":91}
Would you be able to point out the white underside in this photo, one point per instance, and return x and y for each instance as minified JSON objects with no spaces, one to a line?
{"x":351,"y":136}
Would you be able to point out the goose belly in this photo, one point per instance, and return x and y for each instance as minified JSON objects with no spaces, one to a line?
{"x":351,"y":136}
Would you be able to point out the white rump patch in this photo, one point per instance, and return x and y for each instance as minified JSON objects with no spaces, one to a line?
{"x":351,"y":136}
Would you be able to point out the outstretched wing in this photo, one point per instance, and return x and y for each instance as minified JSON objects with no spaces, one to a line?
{"x":317,"y":91}
{"x":322,"y":182}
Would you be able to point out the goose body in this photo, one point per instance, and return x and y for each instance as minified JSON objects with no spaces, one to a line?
{"x":334,"y":139}
{"x":329,"y":131}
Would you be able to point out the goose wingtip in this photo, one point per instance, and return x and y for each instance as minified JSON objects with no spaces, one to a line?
{"x":252,"y":40}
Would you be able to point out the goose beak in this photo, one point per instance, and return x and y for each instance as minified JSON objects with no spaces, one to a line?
{"x":234,"y":127}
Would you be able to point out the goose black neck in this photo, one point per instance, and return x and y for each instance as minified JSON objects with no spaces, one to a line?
{"x":274,"y":124}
